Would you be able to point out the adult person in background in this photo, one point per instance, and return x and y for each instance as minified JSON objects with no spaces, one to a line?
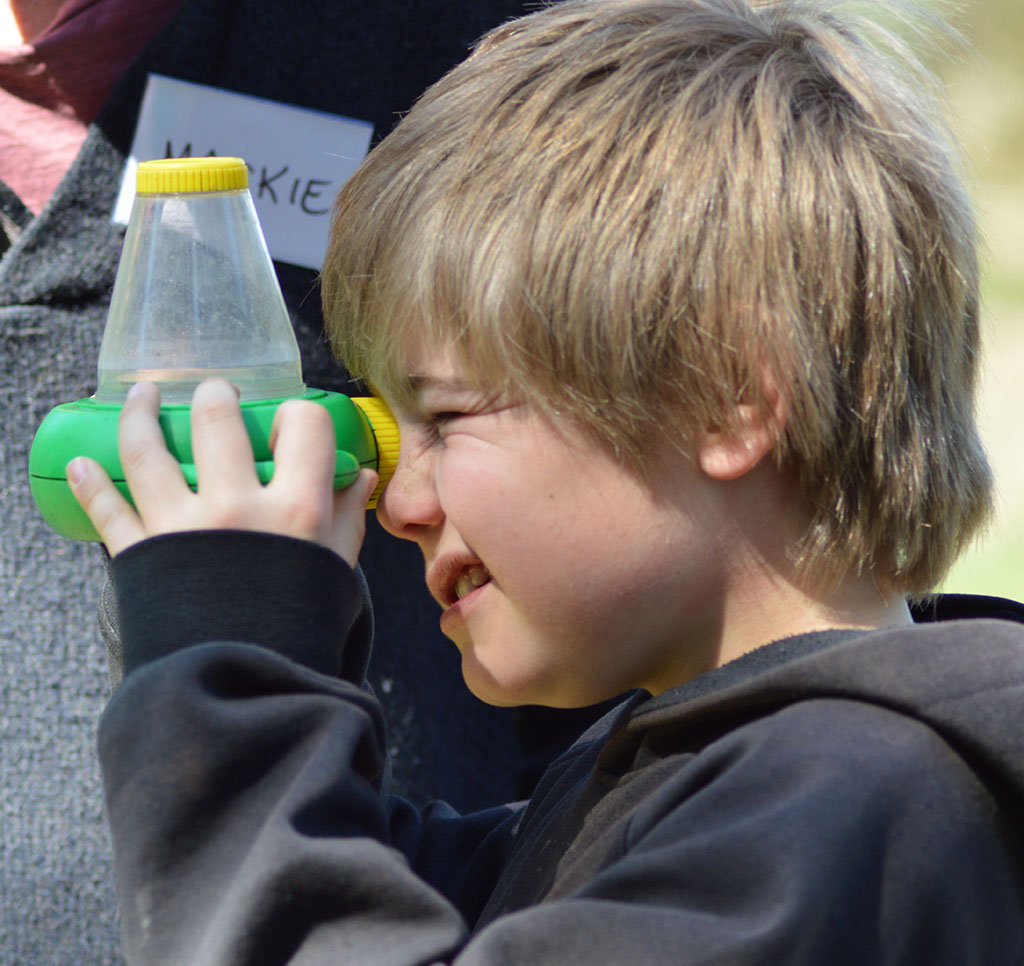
{"x":72,"y":76}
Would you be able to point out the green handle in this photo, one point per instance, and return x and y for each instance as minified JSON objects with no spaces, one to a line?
{"x":346,"y":469}
{"x":89,"y":428}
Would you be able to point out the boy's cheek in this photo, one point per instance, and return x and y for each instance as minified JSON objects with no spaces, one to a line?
{"x":467,"y":485}
{"x":482,"y":475}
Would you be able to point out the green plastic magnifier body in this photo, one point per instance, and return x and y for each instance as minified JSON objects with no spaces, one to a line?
{"x":89,"y":428}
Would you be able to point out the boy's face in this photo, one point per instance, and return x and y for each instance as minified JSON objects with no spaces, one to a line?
{"x":564,"y":579}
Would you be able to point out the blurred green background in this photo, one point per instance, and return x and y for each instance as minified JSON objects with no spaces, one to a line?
{"x":986,"y":89}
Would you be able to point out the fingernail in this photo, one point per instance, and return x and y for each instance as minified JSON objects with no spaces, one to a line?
{"x":135,"y":389}
{"x":77,"y":470}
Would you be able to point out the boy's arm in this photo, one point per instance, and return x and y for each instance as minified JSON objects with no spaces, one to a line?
{"x":244,"y":785}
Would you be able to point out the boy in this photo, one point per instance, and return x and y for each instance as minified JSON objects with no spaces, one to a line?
{"x":676,"y":305}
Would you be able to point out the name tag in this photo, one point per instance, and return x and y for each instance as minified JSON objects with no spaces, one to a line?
{"x":297,"y":158}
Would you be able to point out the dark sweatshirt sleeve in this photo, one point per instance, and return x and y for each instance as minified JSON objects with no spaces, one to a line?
{"x":294,"y":597}
{"x":244,"y":767}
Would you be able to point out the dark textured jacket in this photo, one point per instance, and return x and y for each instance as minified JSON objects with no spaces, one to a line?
{"x":840,"y":797}
{"x":367,"y":61}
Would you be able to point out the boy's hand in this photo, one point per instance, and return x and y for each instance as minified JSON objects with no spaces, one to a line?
{"x":298,"y":502}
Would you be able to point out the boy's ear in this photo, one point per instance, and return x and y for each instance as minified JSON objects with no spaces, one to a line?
{"x":750,"y":435}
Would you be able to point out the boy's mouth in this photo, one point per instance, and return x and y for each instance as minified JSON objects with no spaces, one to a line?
{"x":454,"y":576}
{"x":472,"y":577}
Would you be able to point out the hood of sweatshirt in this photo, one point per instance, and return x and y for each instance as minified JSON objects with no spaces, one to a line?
{"x":959,"y":670}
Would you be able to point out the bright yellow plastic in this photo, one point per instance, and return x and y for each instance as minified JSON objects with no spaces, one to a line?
{"x":385,"y":432}
{"x":191,"y":176}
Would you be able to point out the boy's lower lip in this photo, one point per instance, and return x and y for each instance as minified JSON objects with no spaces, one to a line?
{"x":461,"y":609}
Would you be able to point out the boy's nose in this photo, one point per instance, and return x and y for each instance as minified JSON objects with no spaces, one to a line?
{"x":409,"y":506}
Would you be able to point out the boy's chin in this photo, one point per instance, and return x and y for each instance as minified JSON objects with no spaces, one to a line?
{"x":489,"y":688}
{"x":510,"y":690}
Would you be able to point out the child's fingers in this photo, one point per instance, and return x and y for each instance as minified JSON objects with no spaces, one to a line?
{"x":298,"y":502}
{"x":153,"y":475}
{"x":110,"y":513}
{"x":303,"y":485}
{"x":303,"y":443}
{"x":220,"y":444}
{"x":349,"y":517}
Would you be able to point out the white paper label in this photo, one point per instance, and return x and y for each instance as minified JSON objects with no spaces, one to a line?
{"x":297,"y":158}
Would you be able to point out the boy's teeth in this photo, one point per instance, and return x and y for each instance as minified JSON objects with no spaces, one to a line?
{"x":468,"y":580}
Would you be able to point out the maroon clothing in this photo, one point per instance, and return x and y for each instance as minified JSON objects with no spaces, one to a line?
{"x":53,"y":86}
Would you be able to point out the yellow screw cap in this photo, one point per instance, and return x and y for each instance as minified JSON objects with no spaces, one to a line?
{"x":385,"y":432}
{"x":191,"y":175}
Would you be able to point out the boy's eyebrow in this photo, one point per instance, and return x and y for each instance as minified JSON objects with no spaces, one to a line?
{"x":419,"y":382}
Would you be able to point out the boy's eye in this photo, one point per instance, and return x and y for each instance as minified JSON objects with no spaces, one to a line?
{"x":441,"y":419}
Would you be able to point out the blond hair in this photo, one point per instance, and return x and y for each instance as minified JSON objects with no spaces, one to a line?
{"x":639,"y":211}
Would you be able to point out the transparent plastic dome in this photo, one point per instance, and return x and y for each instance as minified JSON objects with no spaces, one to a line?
{"x":195,"y":293}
